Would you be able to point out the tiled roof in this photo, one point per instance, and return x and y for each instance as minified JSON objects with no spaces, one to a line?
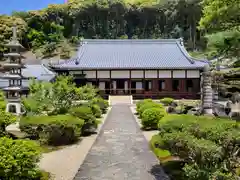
{"x":40,"y":72}
{"x":131,"y":54}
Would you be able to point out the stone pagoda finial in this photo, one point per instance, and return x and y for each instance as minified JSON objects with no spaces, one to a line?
{"x":14,"y":37}
{"x":206,"y":87}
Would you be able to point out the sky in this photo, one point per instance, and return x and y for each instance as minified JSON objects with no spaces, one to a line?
{"x":7,"y":6}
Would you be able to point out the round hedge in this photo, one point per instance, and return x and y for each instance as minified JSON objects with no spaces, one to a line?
{"x":141,"y":103}
{"x":167,"y":101}
{"x":151,"y":117}
{"x":149,"y":105}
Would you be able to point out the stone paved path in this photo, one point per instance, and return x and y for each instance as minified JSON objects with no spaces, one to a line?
{"x":120,"y":152}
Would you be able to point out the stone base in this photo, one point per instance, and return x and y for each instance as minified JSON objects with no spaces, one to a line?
{"x":14,"y":129}
{"x":208,"y":112}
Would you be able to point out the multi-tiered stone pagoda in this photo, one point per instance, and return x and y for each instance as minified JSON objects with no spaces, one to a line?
{"x":13,"y":68}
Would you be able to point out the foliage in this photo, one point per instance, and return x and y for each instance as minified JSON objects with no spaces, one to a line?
{"x":141,"y":103}
{"x":52,"y":130}
{"x":49,"y":49}
{"x":5,"y":120}
{"x":65,"y":50}
{"x":220,"y":19}
{"x":96,"y":110}
{"x":148,"y":105}
{"x":6,"y":24}
{"x":87,"y":92}
{"x":151,"y":117}
{"x":166,"y":101}
{"x":2,"y":102}
{"x":220,"y":15}
{"x":103,"y":104}
{"x":225,"y":43}
{"x":18,"y":160}
{"x":111,"y":20}
{"x":155,"y":143}
{"x":209,"y":146}
{"x":53,"y":98}
{"x":85,"y":112}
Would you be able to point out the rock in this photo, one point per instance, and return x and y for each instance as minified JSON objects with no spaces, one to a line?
{"x":171,"y":109}
{"x":14,"y":130}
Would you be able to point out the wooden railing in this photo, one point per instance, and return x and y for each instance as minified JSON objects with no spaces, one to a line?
{"x":142,"y":91}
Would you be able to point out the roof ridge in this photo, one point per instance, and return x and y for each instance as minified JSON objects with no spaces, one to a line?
{"x":186,"y":54}
{"x":81,"y":50}
{"x":130,"y":40}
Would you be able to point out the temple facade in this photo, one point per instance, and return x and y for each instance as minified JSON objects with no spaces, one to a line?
{"x":141,"y":68}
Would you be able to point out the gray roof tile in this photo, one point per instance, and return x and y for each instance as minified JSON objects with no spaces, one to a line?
{"x":131,"y":54}
{"x":40,"y":72}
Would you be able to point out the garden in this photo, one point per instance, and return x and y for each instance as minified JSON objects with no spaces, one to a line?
{"x":191,"y":146}
{"x":57,"y":114}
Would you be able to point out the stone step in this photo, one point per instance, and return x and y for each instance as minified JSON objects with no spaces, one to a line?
{"x":120,"y":100}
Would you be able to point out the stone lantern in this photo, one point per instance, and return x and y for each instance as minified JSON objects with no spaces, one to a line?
{"x":13,"y":68}
{"x":206,"y":91}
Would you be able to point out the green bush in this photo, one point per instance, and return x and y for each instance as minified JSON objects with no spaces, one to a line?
{"x":148,"y":105}
{"x":155,"y":143}
{"x":203,"y":152}
{"x":140,"y":103}
{"x":85,"y":112}
{"x":166,"y":101}
{"x":175,"y":122}
{"x":208,"y":145}
{"x":18,"y":160}
{"x":151,"y":117}
{"x":96,"y":110}
{"x":5,"y":120}
{"x":52,"y":130}
{"x":103,"y":104}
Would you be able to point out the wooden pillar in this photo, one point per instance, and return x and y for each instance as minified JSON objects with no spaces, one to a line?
{"x":155,"y":85}
{"x":96,"y":79}
{"x":144,"y":81}
{"x":182,"y":85}
{"x":130,"y":82}
{"x":157,"y":82}
{"x":168,"y":84}
{"x":110,"y":81}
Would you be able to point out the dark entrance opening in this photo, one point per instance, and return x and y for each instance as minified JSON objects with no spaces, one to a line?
{"x":120,"y":84}
{"x":80,"y":82}
{"x":107,"y":87}
{"x":175,"y":85}
{"x":133,"y":87}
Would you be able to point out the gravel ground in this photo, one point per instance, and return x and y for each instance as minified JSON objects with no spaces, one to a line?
{"x":63,"y":164}
{"x":120,"y":152}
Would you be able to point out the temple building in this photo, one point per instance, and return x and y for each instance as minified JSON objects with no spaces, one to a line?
{"x":141,"y":68}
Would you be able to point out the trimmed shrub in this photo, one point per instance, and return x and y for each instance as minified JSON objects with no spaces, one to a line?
{"x":85,"y":112}
{"x":103,"y":104}
{"x":52,"y":130}
{"x":18,"y":160}
{"x":148,"y":105}
{"x":140,"y":103}
{"x":151,"y":117}
{"x":155,"y":143}
{"x":208,"y":145}
{"x":166,"y":101}
{"x":5,"y":120}
{"x":96,"y":110}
